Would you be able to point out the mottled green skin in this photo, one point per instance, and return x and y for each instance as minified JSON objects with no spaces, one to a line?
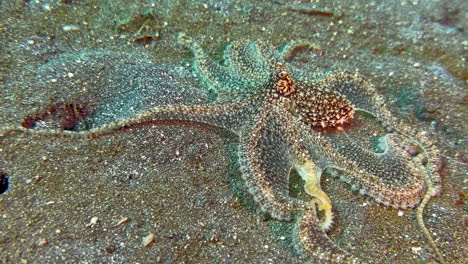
{"x":275,"y":137}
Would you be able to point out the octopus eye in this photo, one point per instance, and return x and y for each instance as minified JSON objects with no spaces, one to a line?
{"x":282,"y":74}
{"x":284,"y":84}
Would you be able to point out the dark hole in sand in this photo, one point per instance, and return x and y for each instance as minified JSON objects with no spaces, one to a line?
{"x":3,"y":182}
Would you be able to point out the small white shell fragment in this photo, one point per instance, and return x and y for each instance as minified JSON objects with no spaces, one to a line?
{"x":70,"y":28}
{"x":148,"y":239}
{"x":42,"y":242}
{"x":416,"y":249}
{"x":122,"y":221}
{"x":93,"y":221}
{"x":401,"y":213}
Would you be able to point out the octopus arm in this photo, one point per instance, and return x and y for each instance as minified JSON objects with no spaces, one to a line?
{"x":247,"y":60}
{"x":360,"y":92}
{"x":221,"y":78}
{"x":226,"y":116}
{"x":265,"y":165}
{"x":393,"y":177}
{"x":312,"y":241}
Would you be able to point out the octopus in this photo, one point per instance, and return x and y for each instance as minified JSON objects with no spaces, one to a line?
{"x":289,"y":119}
